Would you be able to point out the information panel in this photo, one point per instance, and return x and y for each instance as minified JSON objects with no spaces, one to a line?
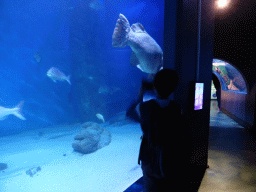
{"x":199,"y":92}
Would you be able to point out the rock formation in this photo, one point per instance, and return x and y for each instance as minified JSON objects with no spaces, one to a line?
{"x":31,"y":172}
{"x":91,"y":138}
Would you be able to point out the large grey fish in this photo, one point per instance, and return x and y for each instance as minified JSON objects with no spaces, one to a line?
{"x":147,"y":55}
{"x":5,"y":112}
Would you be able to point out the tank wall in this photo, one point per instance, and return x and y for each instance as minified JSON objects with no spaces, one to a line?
{"x":237,"y":106}
{"x":236,"y":98}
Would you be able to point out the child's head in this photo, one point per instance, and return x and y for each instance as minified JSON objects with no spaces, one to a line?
{"x":165,"y":82}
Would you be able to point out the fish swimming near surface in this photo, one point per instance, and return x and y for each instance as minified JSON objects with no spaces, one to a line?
{"x":100,"y":117}
{"x":5,"y":112}
{"x":147,"y":55}
{"x":56,"y":75}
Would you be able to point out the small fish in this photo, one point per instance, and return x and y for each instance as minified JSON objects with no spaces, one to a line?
{"x":97,"y":5}
{"x":103,"y":90}
{"x":55,"y":74}
{"x":135,"y":168}
{"x":108,"y":90}
{"x":4,"y":112}
{"x":147,"y":55}
{"x":37,"y":57}
{"x":100,"y":117}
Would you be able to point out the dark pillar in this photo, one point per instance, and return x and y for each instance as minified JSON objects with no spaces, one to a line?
{"x":192,"y":66}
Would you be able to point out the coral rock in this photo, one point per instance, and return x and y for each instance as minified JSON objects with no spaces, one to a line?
{"x":91,"y":138}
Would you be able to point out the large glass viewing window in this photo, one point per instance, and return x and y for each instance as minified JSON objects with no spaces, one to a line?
{"x":230,"y":78}
{"x":68,"y":74}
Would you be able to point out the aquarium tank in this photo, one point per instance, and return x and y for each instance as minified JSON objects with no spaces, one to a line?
{"x":69,"y":70}
{"x":230,"y":78}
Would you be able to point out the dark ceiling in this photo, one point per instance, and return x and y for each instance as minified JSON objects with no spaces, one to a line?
{"x":234,"y":37}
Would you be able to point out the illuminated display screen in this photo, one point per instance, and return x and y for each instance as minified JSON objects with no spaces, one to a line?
{"x":199,"y":91}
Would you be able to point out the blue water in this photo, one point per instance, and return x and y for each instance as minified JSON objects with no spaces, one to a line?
{"x":76,"y":37}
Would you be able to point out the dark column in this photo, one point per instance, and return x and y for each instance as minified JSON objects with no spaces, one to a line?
{"x":191,"y":66}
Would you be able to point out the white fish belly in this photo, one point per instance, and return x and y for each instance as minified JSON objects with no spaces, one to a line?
{"x":150,"y":65}
{"x":148,"y":52}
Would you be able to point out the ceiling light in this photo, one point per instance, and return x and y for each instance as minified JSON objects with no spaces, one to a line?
{"x":222,"y":3}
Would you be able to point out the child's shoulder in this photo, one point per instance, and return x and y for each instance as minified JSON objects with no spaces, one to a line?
{"x":150,"y":102}
{"x":148,"y":105}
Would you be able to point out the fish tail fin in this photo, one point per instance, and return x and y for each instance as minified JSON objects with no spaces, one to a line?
{"x":17,"y":111}
{"x":121,"y":31}
{"x":68,"y":79}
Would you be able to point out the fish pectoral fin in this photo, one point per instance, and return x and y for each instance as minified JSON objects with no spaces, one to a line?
{"x":134,"y":59}
{"x":141,"y":26}
{"x":138,"y":28}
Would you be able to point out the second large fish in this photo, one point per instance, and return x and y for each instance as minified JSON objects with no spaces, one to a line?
{"x":147,"y":55}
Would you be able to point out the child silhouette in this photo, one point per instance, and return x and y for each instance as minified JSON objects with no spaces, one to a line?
{"x":163,"y":154}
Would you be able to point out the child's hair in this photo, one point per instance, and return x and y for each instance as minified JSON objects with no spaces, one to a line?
{"x":165,"y":82}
